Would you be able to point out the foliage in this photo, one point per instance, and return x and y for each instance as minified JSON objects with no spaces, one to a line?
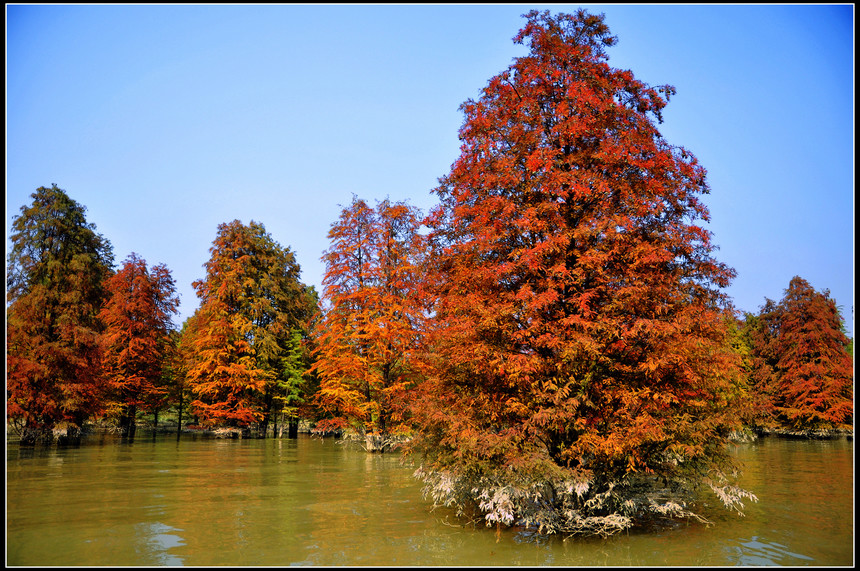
{"x":137,"y":338}
{"x":245,"y":358}
{"x":579,"y":339}
{"x":175,"y":374}
{"x":56,"y":271}
{"x":802,"y":359}
{"x":370,"y":325}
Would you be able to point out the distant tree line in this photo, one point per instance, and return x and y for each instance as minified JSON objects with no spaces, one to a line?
{"x":550,"y":343}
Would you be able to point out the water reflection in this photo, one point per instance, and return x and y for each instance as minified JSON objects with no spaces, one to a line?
{"x":157,"y":541}
{"x":755,"y":552}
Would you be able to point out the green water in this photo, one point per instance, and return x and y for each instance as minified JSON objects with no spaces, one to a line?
{"x":206,"y":502}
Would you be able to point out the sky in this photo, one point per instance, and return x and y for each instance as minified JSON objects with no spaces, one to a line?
{"x":165,"y":121}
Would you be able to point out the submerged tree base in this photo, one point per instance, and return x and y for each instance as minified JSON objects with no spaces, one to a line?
{"x":65,"y":434}
{"x":808,"y":434}
{"x":574,"y":507}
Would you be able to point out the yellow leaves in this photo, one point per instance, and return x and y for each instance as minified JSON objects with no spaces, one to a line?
{"x":549,"y":384}
{"x":631,"y":464}
{"x":649,"y":365}
{"x":515,"y":407}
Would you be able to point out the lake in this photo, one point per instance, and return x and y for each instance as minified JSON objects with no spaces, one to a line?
{"x":210,"y":502}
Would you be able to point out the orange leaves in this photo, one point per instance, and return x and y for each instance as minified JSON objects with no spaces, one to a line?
{"x":575,"y":298}
{"x":242,"y":353}
{"x":371,"y":315}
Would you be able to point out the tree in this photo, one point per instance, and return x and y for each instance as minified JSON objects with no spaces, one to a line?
{"x":579,"y":367}
{"x":176,"y":372}
{"x":803,"y":361}
{"x":759,"y":332}
{"x":137,"y":338}
{"x":56,"y":271}
{"x":370,"y":325}
{"x":245,"y":331}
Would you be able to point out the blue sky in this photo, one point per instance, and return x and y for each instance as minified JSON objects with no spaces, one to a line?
{"x":167,"y":120}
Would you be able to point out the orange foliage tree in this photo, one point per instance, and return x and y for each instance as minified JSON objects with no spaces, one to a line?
{"x":137,"y":337}
{"x":371,"y":319}
{"x":56,"y":271}
{"x":579,"y":369}
{"x":802,"y":361}
{"x":246,"y":359}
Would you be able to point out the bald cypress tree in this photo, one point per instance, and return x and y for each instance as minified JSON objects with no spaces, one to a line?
{"x":580,"y":373}
{"x":802,"y":360}
{"x":56,"y":273}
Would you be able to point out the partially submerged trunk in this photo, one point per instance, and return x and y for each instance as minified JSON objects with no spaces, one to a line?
{"x":127,"y":422}
{"x":32,"y":435}
{"x":376,"y":442}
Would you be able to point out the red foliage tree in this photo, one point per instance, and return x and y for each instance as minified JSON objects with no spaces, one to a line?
{"x":57,"y":267}
{"x":802,"y":359}
{"x":759,"y":332}
{"x":369,"y":327}
{"x":580,"y":342}
{"x":137,"y":340}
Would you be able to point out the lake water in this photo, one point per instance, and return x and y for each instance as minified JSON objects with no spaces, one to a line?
{"x":208,"y":502}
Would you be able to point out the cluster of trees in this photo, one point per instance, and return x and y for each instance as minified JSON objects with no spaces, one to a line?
{"x":551,"y":342}
{"x":87,"y":342}
{"x":800,"y":362}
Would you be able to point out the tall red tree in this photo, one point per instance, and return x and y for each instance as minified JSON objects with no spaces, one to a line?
{"x":802,"y":359}
{"x":138,"y":323}
{"x":371,"y":319}
{"x":580,"y":354}
{"x":56,"y":271}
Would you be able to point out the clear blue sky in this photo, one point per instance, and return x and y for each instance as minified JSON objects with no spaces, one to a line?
{"x":165,"y":121}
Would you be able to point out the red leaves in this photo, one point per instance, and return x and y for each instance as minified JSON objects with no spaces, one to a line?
{"x":575,"y":298}
{"x":138,"y":321}
{"x":801,"y":360}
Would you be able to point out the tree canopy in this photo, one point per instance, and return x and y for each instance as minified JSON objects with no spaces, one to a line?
{"x":138,"y":320}
{"x":802,"y":360}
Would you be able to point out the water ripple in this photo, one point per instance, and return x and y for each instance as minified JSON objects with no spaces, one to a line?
{"x":754,"y":551}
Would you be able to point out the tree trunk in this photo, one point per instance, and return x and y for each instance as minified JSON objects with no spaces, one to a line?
{"x":376,"y":442}
{"x":179,"y":423}
{"x":127,"y":422}
{"x":294,"y":428}
{"x":72,"y":437}
{"x":32,"y":435}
